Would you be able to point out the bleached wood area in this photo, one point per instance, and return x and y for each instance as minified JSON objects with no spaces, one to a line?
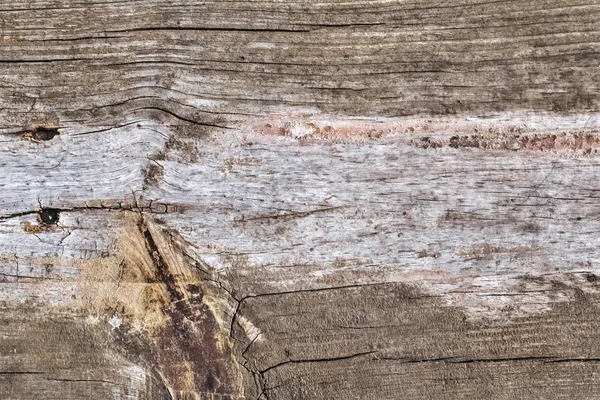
{"x":299,"y":200}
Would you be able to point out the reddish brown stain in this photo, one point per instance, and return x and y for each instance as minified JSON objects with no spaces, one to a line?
{"x":587,"y":143}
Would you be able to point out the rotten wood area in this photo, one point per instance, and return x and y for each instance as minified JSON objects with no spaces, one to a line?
{"x":299,"y":200}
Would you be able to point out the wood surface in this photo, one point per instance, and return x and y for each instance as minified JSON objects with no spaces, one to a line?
{"x":299,"y":200}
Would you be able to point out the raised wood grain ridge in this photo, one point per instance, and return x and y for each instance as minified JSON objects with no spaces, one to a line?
{"x":299,"y":200}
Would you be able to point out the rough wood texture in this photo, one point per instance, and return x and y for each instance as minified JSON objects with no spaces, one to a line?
{"x":296,"y":200}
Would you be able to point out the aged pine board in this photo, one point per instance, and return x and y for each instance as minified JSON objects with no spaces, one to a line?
{"x":299,"y":200}
{"x":97,"y":63}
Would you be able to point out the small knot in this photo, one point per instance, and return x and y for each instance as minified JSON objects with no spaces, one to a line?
{"x":44,"y":133}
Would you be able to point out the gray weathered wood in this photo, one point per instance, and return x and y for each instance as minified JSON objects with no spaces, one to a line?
{"x":277,"y":200}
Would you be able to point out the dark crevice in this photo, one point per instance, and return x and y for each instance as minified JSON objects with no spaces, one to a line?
{"x":234,"y":318}
{"x":289,"y":215}
{"x":351,"y":25}
{"x":208,"y":29}
{"x":105,"y":129}
{"x":159,"y":87}
{"x":123,"y":102}
{"x":259,"y":379}
{"x":191,"y":121}
{"x":318,"y":360}
{"x":21,"y":373}
{"x":457,"y":360}
{"x":360,"y":285}
{"x":149,"y":209}
{"x":76,"y":39}
{"x":81,"y":380}
{"x":363,"y":327}
{"x":15,"y":215}
{"x":255,"y":30}
{"x":49,"y":60}
{"x":263,"y":387}
{"x":248,"y":348}
{"x":445,"y":360}
{"x":5,"y":275}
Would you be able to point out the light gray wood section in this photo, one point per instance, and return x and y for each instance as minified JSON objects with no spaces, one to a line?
{"x":467,"y":223}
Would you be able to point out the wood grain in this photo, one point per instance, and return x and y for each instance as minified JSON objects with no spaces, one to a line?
{"x":299,"y":200}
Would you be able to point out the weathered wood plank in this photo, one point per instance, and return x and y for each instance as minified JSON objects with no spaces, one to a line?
{"x":69,"y":358}
{"x":276,"y":200}
{"x":90,"y":60}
